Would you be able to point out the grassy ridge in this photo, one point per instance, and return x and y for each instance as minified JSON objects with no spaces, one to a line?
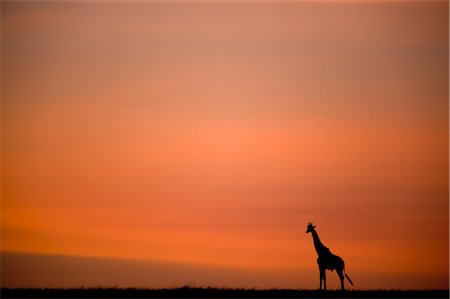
{"x":193,"y":292}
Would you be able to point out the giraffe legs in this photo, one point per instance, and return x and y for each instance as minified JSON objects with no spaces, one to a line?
{"x":341,"y":277}
{"x":323,"y":278}
{"x":320,"y":272}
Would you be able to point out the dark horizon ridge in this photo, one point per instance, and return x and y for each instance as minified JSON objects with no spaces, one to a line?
{"x":212,"y":292}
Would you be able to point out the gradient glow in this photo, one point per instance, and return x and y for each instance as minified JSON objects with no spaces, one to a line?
{"x":209,"y":134}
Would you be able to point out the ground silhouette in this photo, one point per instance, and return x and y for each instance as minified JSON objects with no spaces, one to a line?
{"x":327,"y":260}
{"x":195,"y":292}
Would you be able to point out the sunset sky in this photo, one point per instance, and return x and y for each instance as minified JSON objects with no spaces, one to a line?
{"x":156,"y":144}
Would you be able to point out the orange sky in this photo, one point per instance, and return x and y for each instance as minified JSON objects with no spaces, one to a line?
{"x":203,"y":137}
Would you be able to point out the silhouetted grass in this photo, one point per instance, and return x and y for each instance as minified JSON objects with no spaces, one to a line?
{"x":195,"y":292}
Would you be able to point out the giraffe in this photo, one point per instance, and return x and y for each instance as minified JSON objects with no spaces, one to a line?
{"x":327,"y":260}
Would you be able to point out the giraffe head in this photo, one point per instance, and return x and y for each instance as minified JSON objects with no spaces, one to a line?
{"x":310,"y":227}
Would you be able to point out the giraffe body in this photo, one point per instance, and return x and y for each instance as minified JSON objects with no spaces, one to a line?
{"x":327,"y":260}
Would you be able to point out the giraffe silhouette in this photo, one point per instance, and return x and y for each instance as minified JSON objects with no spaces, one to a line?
{"x":327,"y":260}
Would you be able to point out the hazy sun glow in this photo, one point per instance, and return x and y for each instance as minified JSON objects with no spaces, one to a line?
{"x":199,"y":139}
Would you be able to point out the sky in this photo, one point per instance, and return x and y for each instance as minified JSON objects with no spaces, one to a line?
{"x":155,"y":144}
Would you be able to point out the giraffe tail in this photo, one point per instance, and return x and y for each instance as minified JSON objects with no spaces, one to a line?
{"x":349,"y":280}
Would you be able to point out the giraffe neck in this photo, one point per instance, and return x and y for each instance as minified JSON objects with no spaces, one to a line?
{"x":320,"y":248}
